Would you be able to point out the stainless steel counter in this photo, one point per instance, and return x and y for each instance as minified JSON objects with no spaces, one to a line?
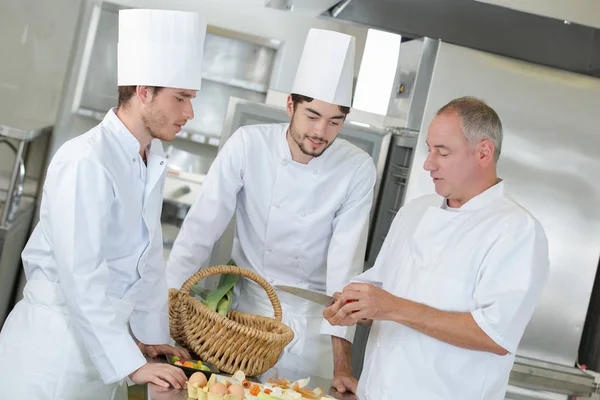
{"x":154,"y":392}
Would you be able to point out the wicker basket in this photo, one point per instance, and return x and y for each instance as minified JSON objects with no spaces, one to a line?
{"x":240,"y":342}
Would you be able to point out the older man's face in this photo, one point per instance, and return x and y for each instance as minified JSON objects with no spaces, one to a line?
{"x":453,"y":163}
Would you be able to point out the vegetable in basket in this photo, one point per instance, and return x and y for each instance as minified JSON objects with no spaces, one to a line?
{"x":221,"y":299}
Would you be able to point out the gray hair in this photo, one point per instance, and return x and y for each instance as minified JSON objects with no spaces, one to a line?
{"x":478,"y":121}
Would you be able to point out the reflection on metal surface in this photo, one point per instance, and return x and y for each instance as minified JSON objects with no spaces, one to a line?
{"x":26,"y":135}
{"x":185,"y":161}
{"x":310,"y":8}
{"x":210,"y":106}
{"x":12,"y":241}
{"x":402,"y":131}
{"x":94,"y":16}
{"x":86,"y":112}
{"x":17,"y":204}
{"x":237,"y":83}
{"x":336,"y":10}
{"x":310,"y":295}
{"x":535,"y":374}
{"x":182,"y":191}
{"x":236,"y":59}
{"x":393,"y":188}
{"x":279,"y":4}
{"x":245,"y":37}
{"x":16,"y":187}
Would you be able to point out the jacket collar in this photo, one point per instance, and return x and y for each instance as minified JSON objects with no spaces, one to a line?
{"x":286,"y":153}
{"x":483,"y":199}
{"x":128,"y":142}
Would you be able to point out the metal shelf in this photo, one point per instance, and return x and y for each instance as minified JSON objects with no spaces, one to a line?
{"x":238,"y":83}
{"x":539,"y":375}
{"x":25,"y":135}
{"x":86,"y":112}
{"x":199,"y":137}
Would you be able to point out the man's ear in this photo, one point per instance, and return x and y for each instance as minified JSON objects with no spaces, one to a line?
{"x":144,"y":94}
{"x":486,"y":152}
{"x":290,"y":106}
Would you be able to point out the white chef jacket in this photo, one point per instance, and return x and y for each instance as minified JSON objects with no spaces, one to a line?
{"x":96,"y":251}
{"x":302,"y":225}
{"x":489,"y":258}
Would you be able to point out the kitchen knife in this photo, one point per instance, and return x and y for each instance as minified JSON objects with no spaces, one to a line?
{"x":306,"y":294}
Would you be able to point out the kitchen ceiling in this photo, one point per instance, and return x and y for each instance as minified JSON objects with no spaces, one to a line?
{"x":475,"y":24}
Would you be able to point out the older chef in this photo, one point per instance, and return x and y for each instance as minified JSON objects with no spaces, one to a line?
{"x":461,"y":276}
{"x":301,"y":200}
{"x":94,"y":261}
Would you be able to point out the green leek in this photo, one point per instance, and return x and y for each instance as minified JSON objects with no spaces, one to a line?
{"x":221,"y":299}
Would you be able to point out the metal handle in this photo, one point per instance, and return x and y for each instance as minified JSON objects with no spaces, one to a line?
{"x":11,"y":206}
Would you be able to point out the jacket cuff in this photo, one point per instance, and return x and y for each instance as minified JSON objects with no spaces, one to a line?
{"x":150,"y":327}
{"x":120,"y":358}
{"x":344,"y":332}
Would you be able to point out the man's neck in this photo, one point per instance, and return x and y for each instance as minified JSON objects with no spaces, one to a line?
{"x":474,"y":192}
{"x":135,"y":127}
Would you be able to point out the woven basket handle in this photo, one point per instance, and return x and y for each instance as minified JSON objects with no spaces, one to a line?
{"x":232,"y":269}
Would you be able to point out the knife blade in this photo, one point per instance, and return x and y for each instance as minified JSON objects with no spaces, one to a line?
{"x":306,"y":294}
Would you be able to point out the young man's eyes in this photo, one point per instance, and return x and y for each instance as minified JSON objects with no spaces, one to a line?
{"x":313,"y":118}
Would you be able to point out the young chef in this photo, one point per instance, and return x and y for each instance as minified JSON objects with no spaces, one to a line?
{"x":461,"y":276}
{"x":301,"y":200}
{"x":94,"y":262}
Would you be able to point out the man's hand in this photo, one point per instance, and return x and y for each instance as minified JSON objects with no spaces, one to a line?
{"x":344,"y":382}
{"x":160,"y":374}
{"x":330,"y":312}
{"x":360,"y":301}
{"x":154,"y":351}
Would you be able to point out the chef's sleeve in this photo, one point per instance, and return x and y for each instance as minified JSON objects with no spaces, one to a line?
{"x":346,"y":253}
{"x":207,"y":219}
{"x":76,"y":208}
{"x":149,"y":320}
{"x":511,"y":280}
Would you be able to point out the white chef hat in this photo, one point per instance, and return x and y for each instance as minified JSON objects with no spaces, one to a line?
{"x":326,"y":69}
{"x":160,"y":48}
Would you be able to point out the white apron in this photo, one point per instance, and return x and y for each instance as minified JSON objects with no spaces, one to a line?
{"x":310,"y":352}
{"x":41,"y":356}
